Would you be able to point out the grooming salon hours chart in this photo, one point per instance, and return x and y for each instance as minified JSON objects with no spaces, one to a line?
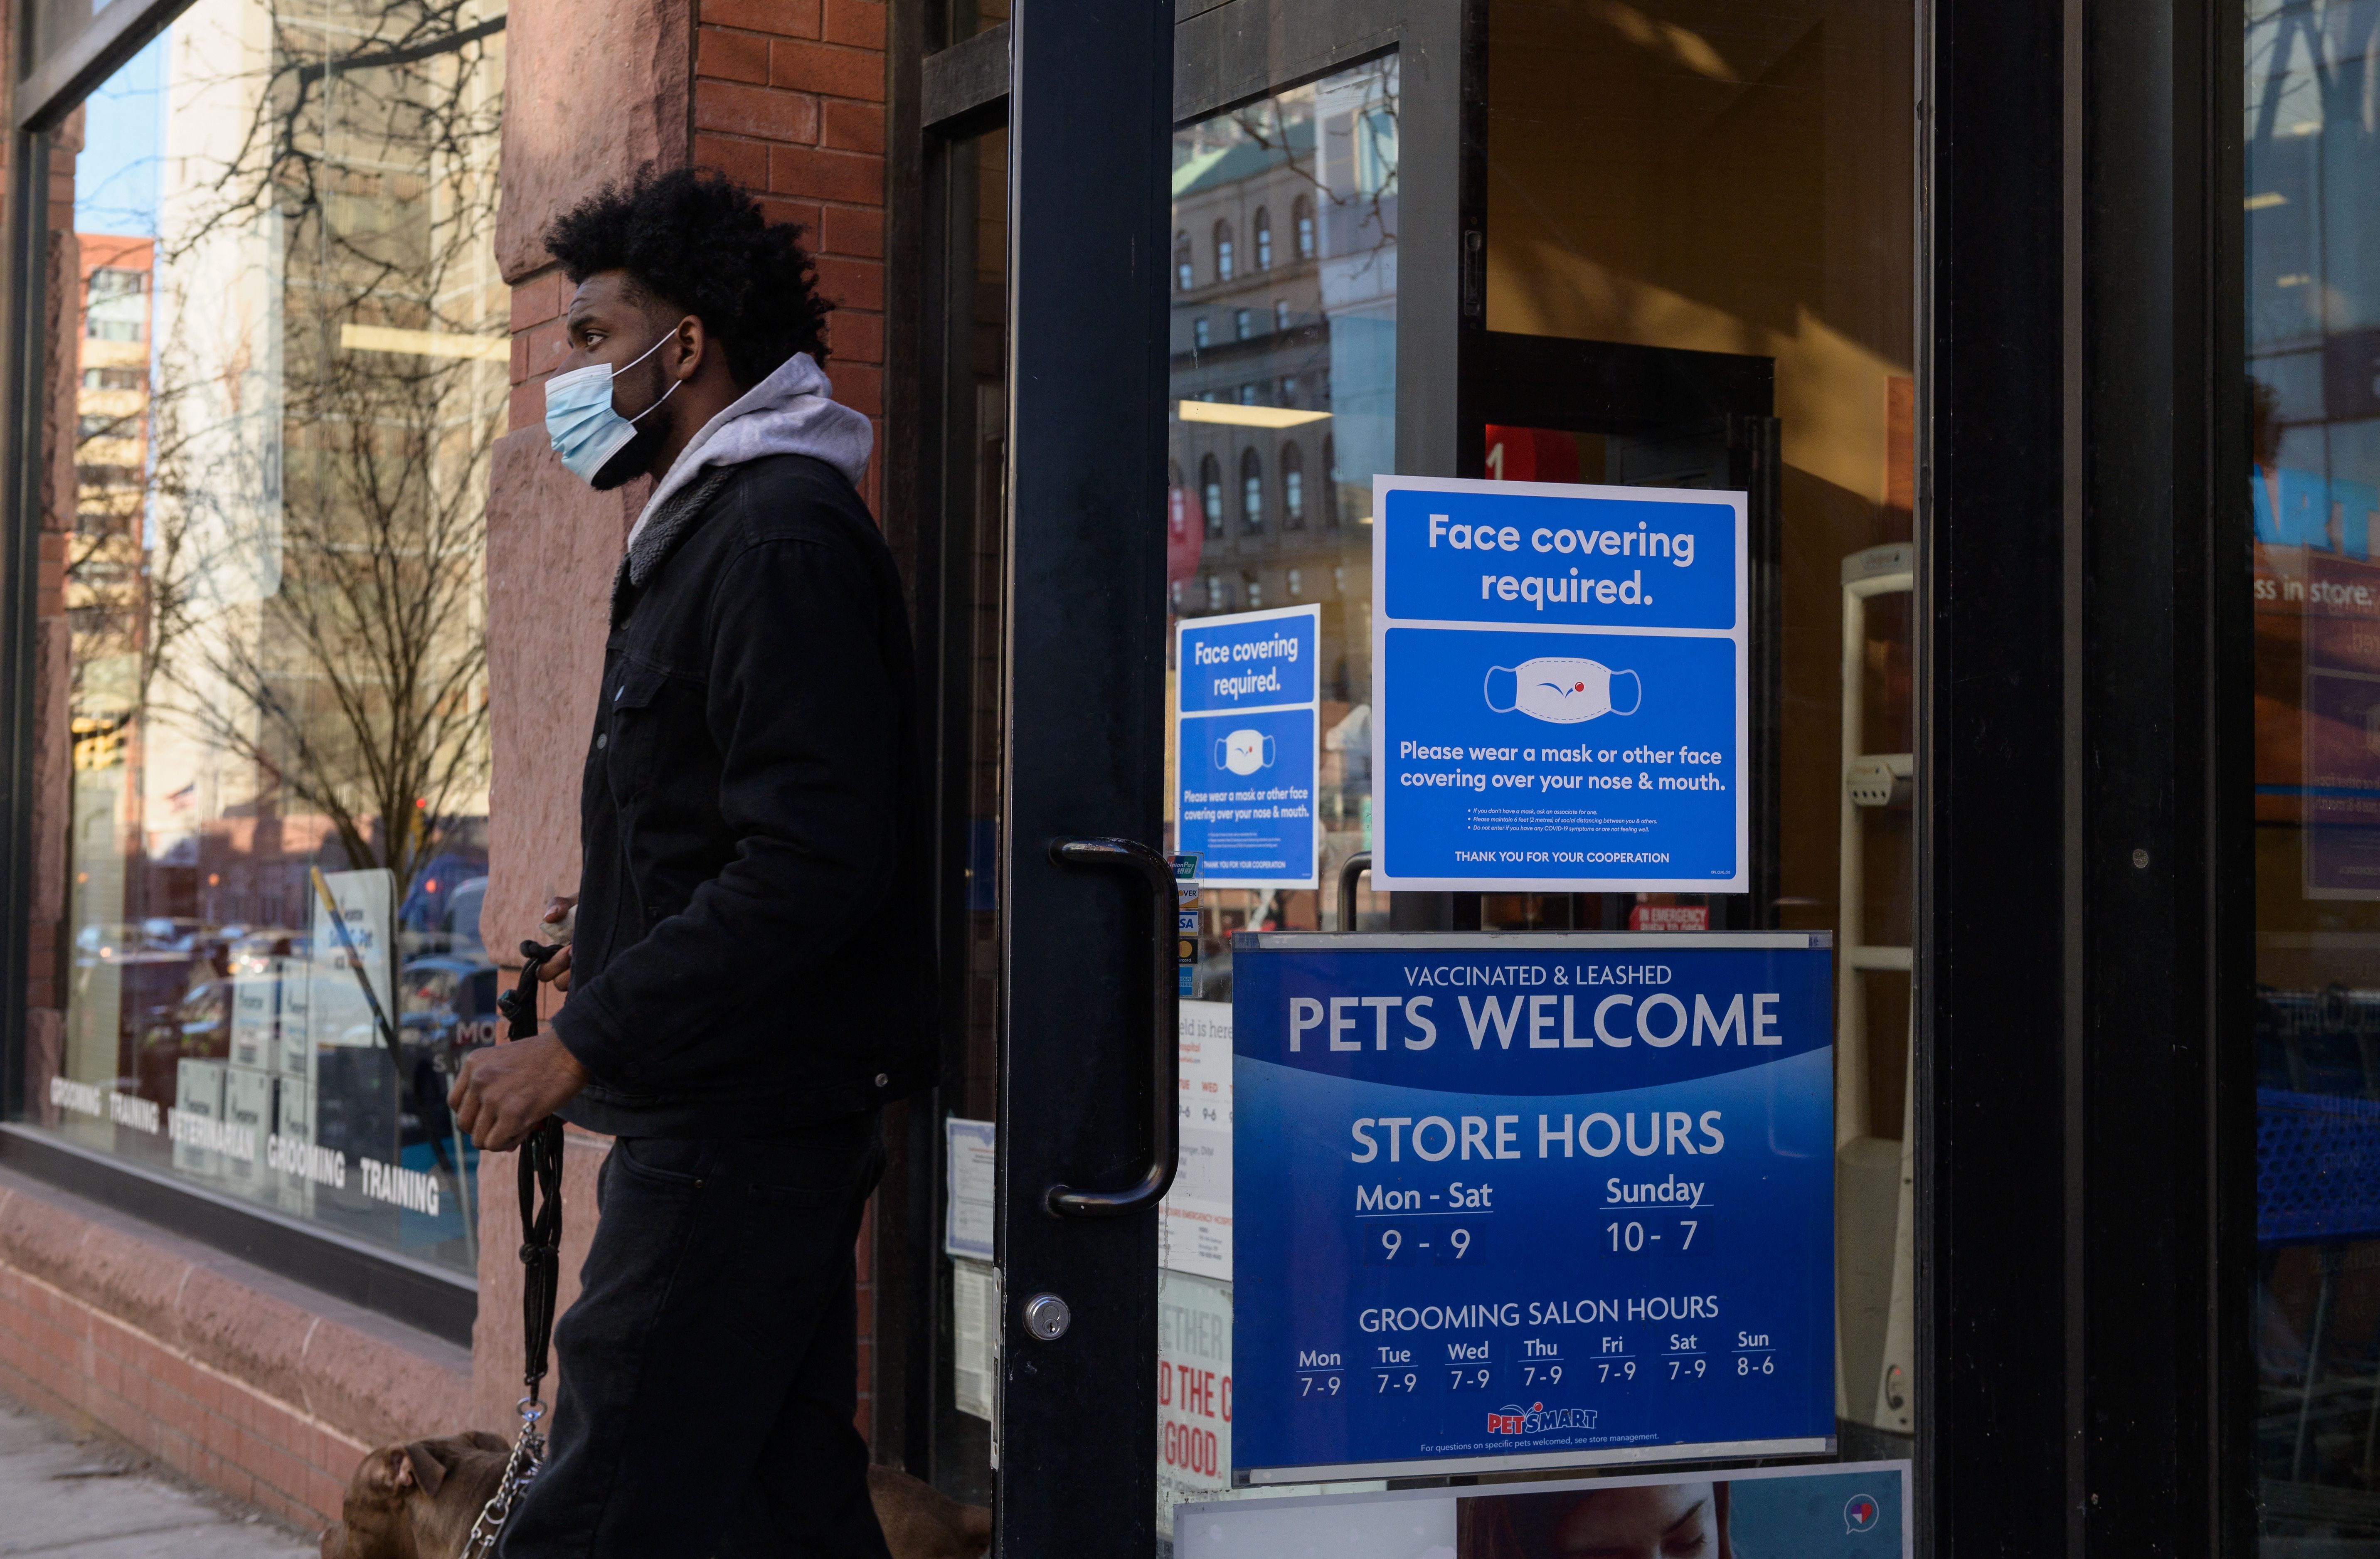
{"x":1531,"y":1201}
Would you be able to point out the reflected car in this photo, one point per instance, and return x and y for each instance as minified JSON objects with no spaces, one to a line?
{"x":448,"y":1008}
{"x":197,"y":1027}
{"x":135,"y":941}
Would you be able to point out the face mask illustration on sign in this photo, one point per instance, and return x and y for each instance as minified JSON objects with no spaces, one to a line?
{"x":1243,"y":752}
{"x":1560,"y":689}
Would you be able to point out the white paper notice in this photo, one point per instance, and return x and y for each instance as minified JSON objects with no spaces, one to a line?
{"x":974,"y":1331}
{"x":1194,"y":1391}
{"x":339,"y":1014}
{"x":1195,"y":1235}
{"x":970,"y":1220}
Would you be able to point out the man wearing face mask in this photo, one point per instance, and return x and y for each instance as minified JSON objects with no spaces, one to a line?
{"x":749,"y":978}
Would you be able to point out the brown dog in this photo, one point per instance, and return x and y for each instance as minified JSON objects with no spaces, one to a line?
{"x":419,"y":1501}
{"x":922,"y":1522}
{"x":416,"y":1500}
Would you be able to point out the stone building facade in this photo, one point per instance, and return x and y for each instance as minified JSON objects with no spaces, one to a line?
{"x":222,"y":1368}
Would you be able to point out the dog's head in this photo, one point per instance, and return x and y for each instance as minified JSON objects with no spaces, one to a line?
{"x":406,"y":1501}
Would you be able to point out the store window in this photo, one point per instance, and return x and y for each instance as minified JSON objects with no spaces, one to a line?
{"x":291,"y":365}
{"x":1273,"y":155}
{"x":1720,"y":297}
{"x":2312,"y":281}
{"x":1750,"y":218}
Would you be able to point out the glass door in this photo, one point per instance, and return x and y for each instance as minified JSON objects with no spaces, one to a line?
{"x":2313,"y":330}
{"x":1258,"y":370}
{"x":1369,"y":244}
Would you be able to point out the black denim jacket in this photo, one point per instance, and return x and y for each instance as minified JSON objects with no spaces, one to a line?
{"x":752,"y":948}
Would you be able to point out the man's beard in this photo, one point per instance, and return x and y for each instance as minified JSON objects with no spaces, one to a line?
{"x":635,"y":459}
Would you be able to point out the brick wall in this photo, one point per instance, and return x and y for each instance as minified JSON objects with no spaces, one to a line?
{"x":225,"y":1374}
{"x":786,"y":97}
{"x":74,"y":1361}
{"x":789,"y":101}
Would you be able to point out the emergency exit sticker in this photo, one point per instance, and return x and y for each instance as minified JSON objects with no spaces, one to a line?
{"x":1561,"y":676}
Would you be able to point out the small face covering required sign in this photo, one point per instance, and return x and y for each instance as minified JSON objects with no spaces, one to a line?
{"x":1248,"y":745}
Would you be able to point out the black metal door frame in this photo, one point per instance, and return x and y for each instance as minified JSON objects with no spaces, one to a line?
{"x":1089,"y":122}
{"x":2085,"y":1059}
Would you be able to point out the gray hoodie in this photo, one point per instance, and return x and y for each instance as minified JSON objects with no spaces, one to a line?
{"x":787,"y":413}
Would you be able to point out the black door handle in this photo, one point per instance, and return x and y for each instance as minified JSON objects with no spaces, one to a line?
{"x":1165,"y":1025}
{"x":1354,"y":866}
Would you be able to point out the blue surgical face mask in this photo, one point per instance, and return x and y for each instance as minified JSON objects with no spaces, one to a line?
{"x":579,"y":421}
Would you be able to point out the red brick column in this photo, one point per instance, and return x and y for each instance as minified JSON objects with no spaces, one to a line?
{"x":786,"y":98}
{"x":789,"y":100}
{"x":593,"y":90}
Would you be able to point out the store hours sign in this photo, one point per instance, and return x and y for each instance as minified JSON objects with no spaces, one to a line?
{"x":1530,"y":1200}
{"x":1561,"y":673}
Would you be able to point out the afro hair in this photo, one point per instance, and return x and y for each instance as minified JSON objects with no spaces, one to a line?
{"x":691,"y":240}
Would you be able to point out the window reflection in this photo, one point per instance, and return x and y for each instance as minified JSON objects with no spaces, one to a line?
{"x":2313,"y":303}
{"x":291,"y":363}
{"x":1310,"y":368}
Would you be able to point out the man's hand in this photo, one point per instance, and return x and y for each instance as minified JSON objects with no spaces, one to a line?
{"x":505,"y":1090}
{"x":556,"y":924}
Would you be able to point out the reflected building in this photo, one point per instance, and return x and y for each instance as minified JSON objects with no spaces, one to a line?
{"x":295,"y":363}
{"x":1283,"y":384}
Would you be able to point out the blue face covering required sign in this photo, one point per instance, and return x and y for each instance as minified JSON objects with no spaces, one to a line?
{"x":1524,"y":1200}
{"x":1248,"y":743}
{"x":1561,"y":674}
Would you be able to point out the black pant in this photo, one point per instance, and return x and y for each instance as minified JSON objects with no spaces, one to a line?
{"x":708,"y":1367}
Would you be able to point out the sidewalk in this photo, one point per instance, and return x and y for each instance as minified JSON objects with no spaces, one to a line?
{"x":92,"y":1500}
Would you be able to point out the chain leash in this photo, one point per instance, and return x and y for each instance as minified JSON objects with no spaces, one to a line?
{"x":520,"y":1470}
{"x":541,"y":1254}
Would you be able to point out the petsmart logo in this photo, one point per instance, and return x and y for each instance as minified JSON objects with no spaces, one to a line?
{"x":1537,"y":1418}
